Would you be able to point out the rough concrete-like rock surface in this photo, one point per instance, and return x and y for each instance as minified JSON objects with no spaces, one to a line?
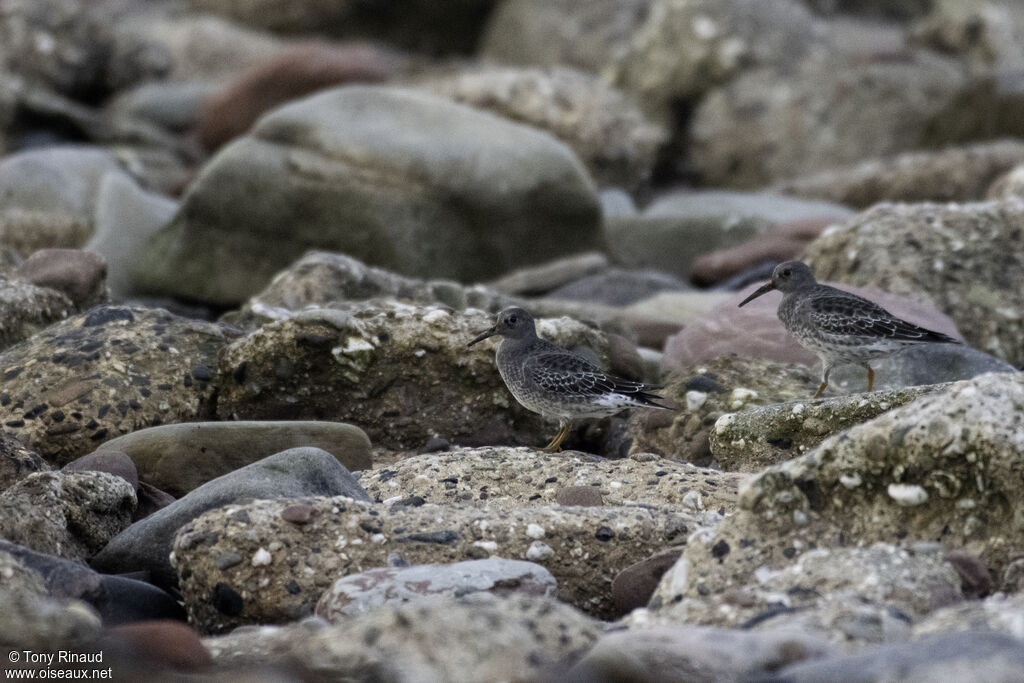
{"x":401,"y":373}
{"x":278,"y":568}
{"x":103,"y":373}
{"x":703,"y":393}
{"x":968,"y":258}
{"x":366,"y":591}
{"x":471,"y":639}
{"x":28,"y":308}
{"x":912,"y":583}
{"x":956,"y":174}
{"x":70,"y":515}
{"x":515,"y":477}
{"x":945,"y":468}
{"x":750,"y":440}
{"x":17,"y":462}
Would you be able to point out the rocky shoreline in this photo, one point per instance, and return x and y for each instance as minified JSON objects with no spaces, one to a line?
{"x":244,"y":244}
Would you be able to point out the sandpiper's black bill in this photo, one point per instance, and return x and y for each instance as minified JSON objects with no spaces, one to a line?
{"x":489,"y":332}
{"x":763,"y":289}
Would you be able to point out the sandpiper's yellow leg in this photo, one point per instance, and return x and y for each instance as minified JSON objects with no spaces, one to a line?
{"x":871,"y":378}
{"x":824,"y":382}
{"x":556,"y":443}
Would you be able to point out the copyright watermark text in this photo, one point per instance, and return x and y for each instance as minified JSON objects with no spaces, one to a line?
{"x":60,"y":664}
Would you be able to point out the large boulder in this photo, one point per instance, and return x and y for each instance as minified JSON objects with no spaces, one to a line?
{"x":396,"y":178}
{"x":107,"y":372}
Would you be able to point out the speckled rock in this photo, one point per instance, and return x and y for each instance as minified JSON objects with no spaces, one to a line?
{"x":104,"y":373}
{"x":608,"y":132}
{"x":70,"y":515}
{"x":514,"y":477}
{"x":470,"y":639}
{"x":17,"y":462}
{"x":998,"y":612}
{"x":28,"y":308}
{"x":366,"y":591}
{"x":392,"y":369}
{"x":909,"y":583}
{"x":31,"y":619}
{"x":833,"y":112}
{"x":687,"y":46}
{"x":146,"y":544}
{"x":244,"y":556}
{"x":749,"y":440}
{"x":694,"y":654}
{"x":321,"y":278}
{"x":703,"y":393}
{"x":971,"y":268}
{"x":939,"y":469}
{"x":394,"y":177}
{"x":179,"y":458}
{"x":947,"y":657}
{"x":955,"y":174}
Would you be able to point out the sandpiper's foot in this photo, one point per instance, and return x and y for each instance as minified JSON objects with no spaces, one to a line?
{"x":871,"y":378}
{"x":556,"y":443}
{"x":821,"y":390}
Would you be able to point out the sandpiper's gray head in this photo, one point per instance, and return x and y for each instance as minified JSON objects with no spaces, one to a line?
{"x":787,"y":277}
{"x":514,"y":323}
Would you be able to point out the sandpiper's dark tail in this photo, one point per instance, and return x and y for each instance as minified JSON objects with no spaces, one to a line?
{"x":643,"y":394}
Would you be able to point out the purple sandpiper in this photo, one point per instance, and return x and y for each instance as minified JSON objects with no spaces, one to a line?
{"x":840,"y":327}
{"x":556,"y":382}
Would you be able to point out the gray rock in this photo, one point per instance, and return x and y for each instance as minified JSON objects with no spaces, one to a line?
{"x":619,"y":287}
{"x":955,"y":174}
{"x":517,"y":477}
{"x":695,"y":654}
{"x":999,"y":612}
{"x":949,"y":657}
{"x":679,"y":227}
{"x":28,"y":308}
{"x":865,"y":109}
{"x":685,"y":48}
{"x":971,"y":268}
{"x":17,"y":462}
{"x":181,"y":457}
{"x":146,"y":544}
{"x":173,"y":105}
{"x":476,"y":638}
{"x":390,"y":368}
{"x":366,"y":591}
{"x":79,"y":275}
{"x":749,"y":440}
{"x":106,"y":372}
{"x":68,"y":514}
{"x":542,"y":278}
{"x":243,"y":556}
{"x":323,"y":278}
{"x":32,"y":620}
{"x":907,"y":584}
{"x":50,"y":194}
{"x":1008,"y":185}
{"x":703,"y":392}
{"x":606,"y":130}
{"x":938,"y":470}
{"x":353,"y":163}
{"x":110,"y":461}
{"x":116,"y":599}
{"x":561,"y":32}
{"x":125,"y":217}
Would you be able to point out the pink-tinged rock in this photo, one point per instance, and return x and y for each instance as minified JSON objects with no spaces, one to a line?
{"x":754,"y":331}
{"x":366,"y":591}
{"x":78,"y":274}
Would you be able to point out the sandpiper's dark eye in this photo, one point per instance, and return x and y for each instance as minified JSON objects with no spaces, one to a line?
{"x":786,"y":272}
{"x":512,"y":320}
